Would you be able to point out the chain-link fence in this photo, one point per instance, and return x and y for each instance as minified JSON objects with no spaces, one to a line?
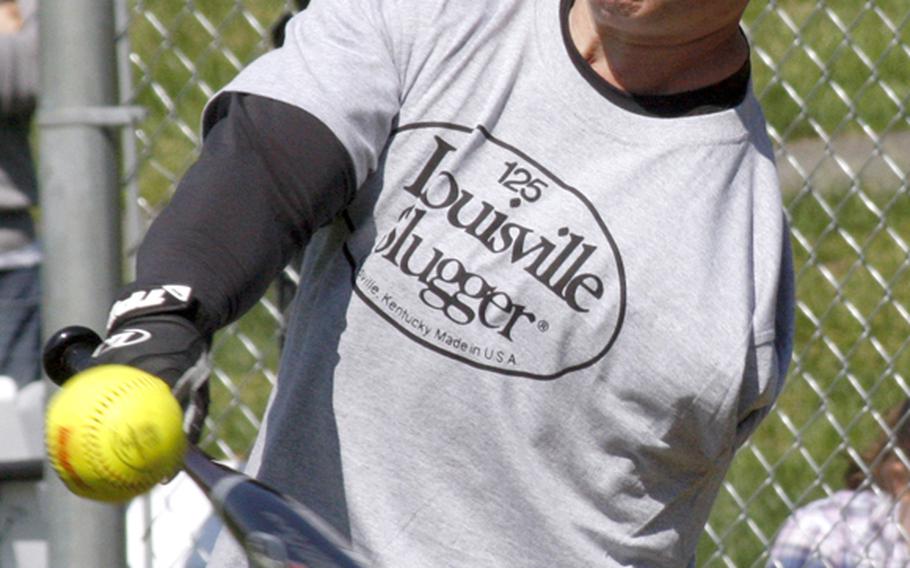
{"x":834,"y":77}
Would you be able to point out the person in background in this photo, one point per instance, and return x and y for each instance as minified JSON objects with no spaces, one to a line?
{"x":865,"y":524}
{"x":20,"y":336}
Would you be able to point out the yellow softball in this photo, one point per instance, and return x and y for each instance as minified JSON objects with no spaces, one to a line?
{"x":113,"y":432}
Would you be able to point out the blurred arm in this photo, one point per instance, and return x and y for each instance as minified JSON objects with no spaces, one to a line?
{"x":269,"y":175}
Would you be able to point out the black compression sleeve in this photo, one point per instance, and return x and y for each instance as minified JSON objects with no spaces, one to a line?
{"x":269,"y":175}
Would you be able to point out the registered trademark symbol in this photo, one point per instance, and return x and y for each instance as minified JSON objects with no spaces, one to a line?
{"x":543,"y":325}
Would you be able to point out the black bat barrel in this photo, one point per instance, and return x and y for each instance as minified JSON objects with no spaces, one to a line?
{"x":273,"y":529}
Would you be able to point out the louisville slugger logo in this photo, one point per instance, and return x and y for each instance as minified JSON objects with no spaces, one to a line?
{"x":124,"y":338}
{"x":485,"y":256}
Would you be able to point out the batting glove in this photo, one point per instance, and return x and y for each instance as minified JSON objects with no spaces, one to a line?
{"x":152,"y":329}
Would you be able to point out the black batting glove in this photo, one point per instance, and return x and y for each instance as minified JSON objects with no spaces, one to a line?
{"x":153,"y":329}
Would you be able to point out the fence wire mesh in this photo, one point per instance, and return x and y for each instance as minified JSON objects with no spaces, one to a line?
{"x":834,"y":78}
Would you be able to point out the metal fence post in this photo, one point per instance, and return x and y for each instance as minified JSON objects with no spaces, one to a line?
{"x":81,"y":228}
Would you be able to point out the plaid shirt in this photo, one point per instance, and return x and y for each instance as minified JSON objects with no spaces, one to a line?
{"x":846,"y":530}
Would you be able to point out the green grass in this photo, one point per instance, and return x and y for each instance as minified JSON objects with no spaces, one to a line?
{"x":246,"y":358}
{"x":846,"y":362}
{"x":184,"y":52}
{"x":833,"y":70}
{"x":852,"y":339}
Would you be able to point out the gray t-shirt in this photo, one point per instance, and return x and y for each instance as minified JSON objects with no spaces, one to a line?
{"x":543,"y":326}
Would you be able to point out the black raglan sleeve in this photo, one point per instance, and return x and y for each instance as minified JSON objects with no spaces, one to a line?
{"x":269,"y":175}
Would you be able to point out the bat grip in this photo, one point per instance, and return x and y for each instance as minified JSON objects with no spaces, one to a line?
{"x":69,"y":351}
